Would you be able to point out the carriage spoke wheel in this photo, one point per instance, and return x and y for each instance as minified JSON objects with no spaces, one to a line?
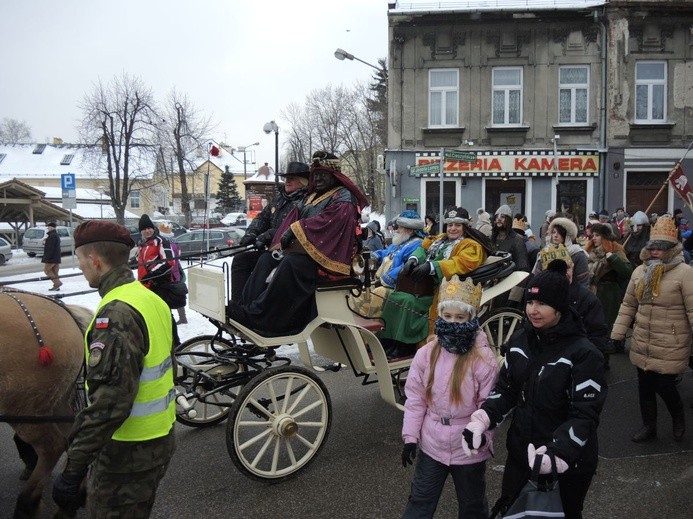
{"x":192,"y":358}
{"x":499,"y":325}
{"x":278,"y":423}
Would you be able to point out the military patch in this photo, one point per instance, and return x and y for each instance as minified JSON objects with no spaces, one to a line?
{"x":94,"y":357}
{"x":96,"y":346}
{"x":101,"y":323}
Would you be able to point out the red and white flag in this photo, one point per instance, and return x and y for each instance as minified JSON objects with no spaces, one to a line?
{"x":214,"y":151}
{"x":679,"y":181}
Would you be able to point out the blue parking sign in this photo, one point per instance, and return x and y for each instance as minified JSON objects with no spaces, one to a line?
{"x":67,"y":181}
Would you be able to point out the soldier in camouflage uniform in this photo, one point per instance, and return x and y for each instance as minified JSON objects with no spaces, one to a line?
{"x":126,"y":431}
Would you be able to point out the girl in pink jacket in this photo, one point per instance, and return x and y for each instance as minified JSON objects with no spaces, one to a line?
{"x":449,"y":379}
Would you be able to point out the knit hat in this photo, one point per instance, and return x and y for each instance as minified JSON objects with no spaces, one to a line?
{"x":664,"y":234}
{"x":551,"y":286}
{"x":100,"y":230}
{"x":605,"y":231}
{"x":51,"y":224}
{"x":146,"y":223}
{"x":410,"y":220}
{"x":504,"y":210}
{"x":457,"y":215}
{"x":550,"y":214}
{"x":604,"y":212}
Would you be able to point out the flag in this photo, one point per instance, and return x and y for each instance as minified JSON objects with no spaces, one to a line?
{"x":679,"y":181}
{"x":214,"y":151}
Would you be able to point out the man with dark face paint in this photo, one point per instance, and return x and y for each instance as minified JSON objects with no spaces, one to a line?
{"x":317,"y":239}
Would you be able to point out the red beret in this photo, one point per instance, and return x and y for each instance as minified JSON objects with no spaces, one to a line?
{"x":97,"y":230}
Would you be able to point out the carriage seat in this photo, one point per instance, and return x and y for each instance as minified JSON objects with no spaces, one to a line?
{"x":373,"y":325}
{"x":498,"y":265}
{"x":341,"y":283}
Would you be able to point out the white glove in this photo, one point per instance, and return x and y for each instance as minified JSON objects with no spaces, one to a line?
{"x":473,"y":435}
{"x":561,"y":466}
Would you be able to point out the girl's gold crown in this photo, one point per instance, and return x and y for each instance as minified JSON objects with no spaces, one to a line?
{"x":549,"y":254}
{"x":465,"y":291}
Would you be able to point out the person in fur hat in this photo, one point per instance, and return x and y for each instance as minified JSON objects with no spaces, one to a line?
{"x":609,"y":269}
{"x":563,"y":231}
{"x":659,"y":305}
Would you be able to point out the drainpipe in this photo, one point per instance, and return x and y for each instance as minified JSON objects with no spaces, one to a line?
{"x":602,"y":114}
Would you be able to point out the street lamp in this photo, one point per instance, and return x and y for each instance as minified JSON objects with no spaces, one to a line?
{"x":341,"y":55}
{"x":243,"y":149}
{"x":269,"y":128}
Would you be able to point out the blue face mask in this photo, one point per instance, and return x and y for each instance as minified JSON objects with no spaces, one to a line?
{"x":457,"y":338}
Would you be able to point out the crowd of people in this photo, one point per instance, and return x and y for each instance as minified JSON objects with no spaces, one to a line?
{"x":585,"y":291}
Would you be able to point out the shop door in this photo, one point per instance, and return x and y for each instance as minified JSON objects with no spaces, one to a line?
{"x":505,"y":192}
{"x":642,"y":187}
{"x":572,"y":200}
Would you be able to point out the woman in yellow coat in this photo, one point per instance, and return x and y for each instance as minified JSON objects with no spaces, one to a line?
{"x":409,"y":318}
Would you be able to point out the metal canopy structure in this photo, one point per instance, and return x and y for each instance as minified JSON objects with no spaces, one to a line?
{"x":22,"y":205}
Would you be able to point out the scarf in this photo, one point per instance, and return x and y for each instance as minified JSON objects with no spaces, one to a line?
{"x":597,"y":262}
{"x":457,"y":338}
{"x":443,"y":244}
{"x":648,"y":287}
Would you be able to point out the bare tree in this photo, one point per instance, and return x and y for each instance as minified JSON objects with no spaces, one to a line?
{"x":183,"y":132}
{"x":13,"y":131}
{"x":121,"y":117}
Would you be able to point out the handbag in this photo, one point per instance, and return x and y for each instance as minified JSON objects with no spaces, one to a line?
{"x":538,"y":500}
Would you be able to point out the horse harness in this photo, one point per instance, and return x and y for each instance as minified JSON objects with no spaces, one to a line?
{"x":79,"y":382}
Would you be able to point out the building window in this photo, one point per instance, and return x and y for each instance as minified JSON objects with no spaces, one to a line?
{"x":443,"y":95}
{"x":573,"y":93}
{"x":507,"y":96}
{"x":67,"y":159}
{"x":432,"y":194}
{"x":135,"y":199}
{"x":650,"y":91}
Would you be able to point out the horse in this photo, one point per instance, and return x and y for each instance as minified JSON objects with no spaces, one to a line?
{"x":41,"y":357}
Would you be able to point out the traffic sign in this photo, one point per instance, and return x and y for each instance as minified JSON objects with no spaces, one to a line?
{"x":67,"y":181}
{"x":425,"y":170}
{"x":464,"y":156}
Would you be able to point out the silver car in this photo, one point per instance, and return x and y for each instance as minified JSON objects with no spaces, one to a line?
{"x":5,"y":251}
{"x":34,"y":238}
{"x":196,"y":241}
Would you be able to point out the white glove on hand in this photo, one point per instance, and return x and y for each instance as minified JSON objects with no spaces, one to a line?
{"x":473,"y":435}
{"x":561,"y":466}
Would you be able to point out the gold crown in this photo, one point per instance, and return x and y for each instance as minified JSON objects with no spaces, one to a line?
{"x":549,"y":254}
{"x":519,"y":224}
{"x":465,"y":291}
{"x":664,"y":229}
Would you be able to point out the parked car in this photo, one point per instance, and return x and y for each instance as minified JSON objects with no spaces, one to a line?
{"x":134,"y":233}
{"x":196,"y":241}
{"x":34,"y":237}
{"x":235,"y":220}
{"x":176,"y":229}
{"x":5,"y":251}
{"x":200,"y":222}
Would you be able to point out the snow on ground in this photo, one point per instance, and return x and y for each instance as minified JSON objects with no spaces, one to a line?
{"x":197,"y":324}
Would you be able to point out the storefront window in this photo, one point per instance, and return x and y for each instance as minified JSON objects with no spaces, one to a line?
{"x":572,"y":200}
{"x":505,"y":192}
{"x":433,"y":196}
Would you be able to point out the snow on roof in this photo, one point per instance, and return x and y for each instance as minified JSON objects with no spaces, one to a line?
{"x":264,"y":173}
{"x":94,"y":211}
{"x":492,"y":5}
{"x":52,"y":160}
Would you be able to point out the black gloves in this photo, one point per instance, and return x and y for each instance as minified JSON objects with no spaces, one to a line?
{"x":247,"y":239}
{"x":287,"y":238}
{"x":67,"y":492}
{"x":409,"y":266}
{"x":421,"y":271}
{"x":263,"y":241}
{"x":408,"y":454}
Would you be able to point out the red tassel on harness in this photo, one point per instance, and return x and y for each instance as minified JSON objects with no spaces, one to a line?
{"x":45,"y":356}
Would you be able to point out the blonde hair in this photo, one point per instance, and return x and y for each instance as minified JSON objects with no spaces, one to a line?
{"x":457,"y":305}
{"x":463,"y":364}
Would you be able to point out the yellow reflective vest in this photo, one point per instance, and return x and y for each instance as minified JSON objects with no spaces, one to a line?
{"x":154,"y":409}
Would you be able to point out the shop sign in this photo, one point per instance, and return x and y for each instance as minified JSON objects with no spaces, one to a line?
{"x":519,"y":163}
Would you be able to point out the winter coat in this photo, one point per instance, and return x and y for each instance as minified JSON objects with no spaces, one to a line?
{"x":51,"y":248}
{"x":422,"y":421}
{"x":267,"y":222}
{"x":577,"y":254}
{"x":515,"y":245}
{"x":554,"y":381}
{"x":609,"y":276}
{"x":662,"y":324}
{"x":587,"y":305}
{"x":399,"y":254}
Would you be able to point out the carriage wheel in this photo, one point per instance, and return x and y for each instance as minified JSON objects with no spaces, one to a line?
{"x":278,"y":423}
{"x":499,"y":325}
{"x":192,"y":357}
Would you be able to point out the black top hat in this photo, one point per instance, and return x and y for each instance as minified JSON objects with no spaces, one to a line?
{"x":298,"y":169}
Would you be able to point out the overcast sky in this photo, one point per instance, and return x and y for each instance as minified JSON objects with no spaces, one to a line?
{"x":239,"y":61}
